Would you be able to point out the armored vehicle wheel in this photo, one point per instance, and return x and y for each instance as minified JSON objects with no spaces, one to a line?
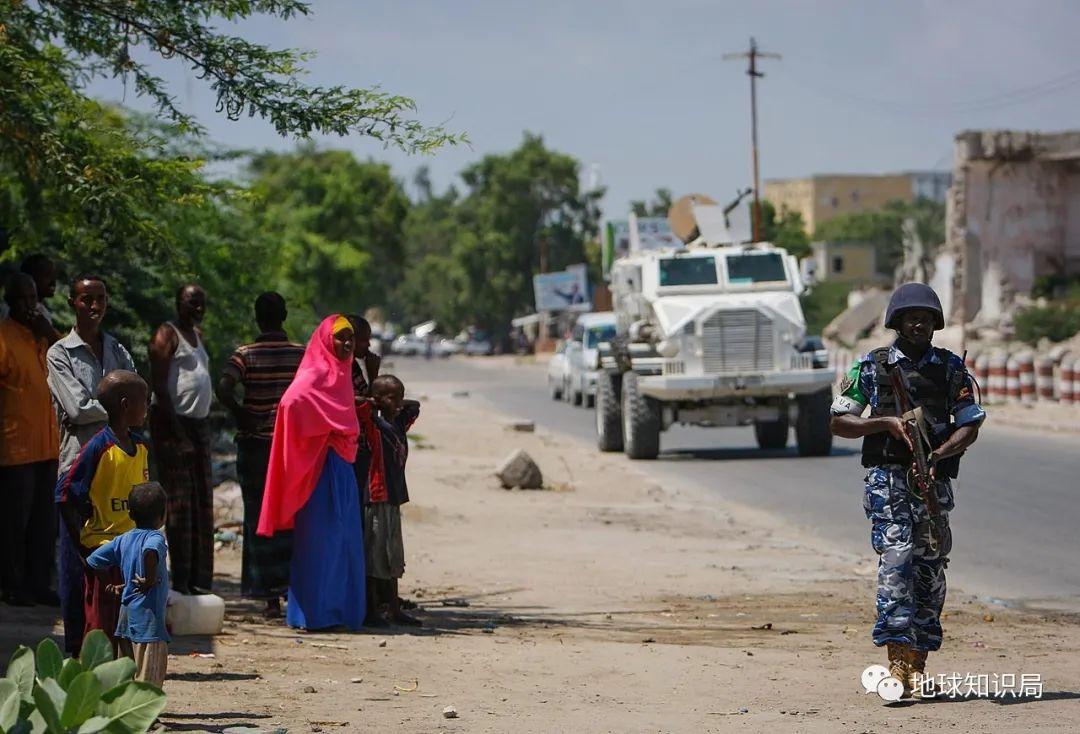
{"x":641,"y":420}
{"x":812,"y":424}
{"x":576,"y":398}
{"x":609,"y":435}
{"x":772,"y":434}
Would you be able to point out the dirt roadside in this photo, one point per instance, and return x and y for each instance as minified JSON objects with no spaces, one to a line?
{"x":607,"y":603}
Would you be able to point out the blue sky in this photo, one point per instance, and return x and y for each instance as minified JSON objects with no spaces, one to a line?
{"x":640,"y":90}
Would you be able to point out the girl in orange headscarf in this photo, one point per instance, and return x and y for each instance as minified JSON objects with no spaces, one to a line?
{"x":311,"y":487}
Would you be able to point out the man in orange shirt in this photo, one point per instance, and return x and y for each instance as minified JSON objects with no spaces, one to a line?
{"x":29,"y":447}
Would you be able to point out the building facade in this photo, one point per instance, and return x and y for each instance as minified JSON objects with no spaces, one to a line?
{"x":846,"y":262}
{"x":823,"y":197}
{"x":1013,"y":216}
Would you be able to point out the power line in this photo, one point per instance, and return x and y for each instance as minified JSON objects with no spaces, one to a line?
{"x":983,"y":104}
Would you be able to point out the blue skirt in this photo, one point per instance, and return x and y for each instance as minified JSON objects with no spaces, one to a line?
{"x":326,"y":577}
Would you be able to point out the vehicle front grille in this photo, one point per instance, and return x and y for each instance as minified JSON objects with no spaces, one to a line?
{"x":737,"y":341}
{"x":674,"y":367}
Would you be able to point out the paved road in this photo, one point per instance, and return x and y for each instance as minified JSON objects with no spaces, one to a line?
{"x":1016,"y":526}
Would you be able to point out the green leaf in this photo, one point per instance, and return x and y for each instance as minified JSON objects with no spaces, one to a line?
{"x":72,"y":668}
{"x":93,"y":725}
{"x":115,"y":672}
{"x":49,"y":659}
{"x":132,"y":707}
{"x":82,"y":700}
{"x":96,"y":649}
{"x":21,"y":671}
{"x":9,"y":704}
{"x":49,"y":698}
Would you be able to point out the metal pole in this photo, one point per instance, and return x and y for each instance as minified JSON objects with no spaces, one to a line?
{"x":754,"y":74}
{"x":752,"y":71}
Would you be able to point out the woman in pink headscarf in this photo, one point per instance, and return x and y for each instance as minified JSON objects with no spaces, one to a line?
{"x":311,"y":486}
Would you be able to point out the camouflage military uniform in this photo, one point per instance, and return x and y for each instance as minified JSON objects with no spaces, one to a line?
{"x":911,"y":577}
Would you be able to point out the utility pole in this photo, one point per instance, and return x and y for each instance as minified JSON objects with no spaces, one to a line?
{"x":752,"y":71}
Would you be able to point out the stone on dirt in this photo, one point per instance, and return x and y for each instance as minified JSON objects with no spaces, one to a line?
{"x":520,"y":471}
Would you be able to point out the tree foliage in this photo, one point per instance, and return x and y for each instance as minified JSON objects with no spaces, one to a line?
{"x":785,"y":229}
{"x":885,"y":229}
{"x":657,"y":207}
{"x":335,"y":227}
{"x":72,"y":172}
{"x":472,"y":255}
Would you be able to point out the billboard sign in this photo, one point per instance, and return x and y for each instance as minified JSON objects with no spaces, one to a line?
{"x":566,"y":290}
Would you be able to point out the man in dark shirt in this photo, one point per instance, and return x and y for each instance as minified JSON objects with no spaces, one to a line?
{"x":265,"y":369}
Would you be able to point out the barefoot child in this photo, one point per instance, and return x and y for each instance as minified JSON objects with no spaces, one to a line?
{"x":93,"y":493}
{"x":386,"y":492}
{"x":140,"y":554}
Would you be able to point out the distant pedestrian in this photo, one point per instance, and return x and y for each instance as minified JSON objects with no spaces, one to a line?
{"x":183,"y":390}
{"x":911,"y":539}
{"x":29,"y":447}
{"x":264,"y":369}
{"x":77,"y":364}
{"x":93,"y":493}
{"x":42,"y":269}
{"x":311,"y":487}
{"x":140,"y":555}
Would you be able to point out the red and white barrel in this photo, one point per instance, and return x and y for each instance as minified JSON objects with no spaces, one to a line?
{"x":1025,"y":362}
{"x":1066,"y":375}
{"x":1044,"y":378}
{"x":995,"y":384}
{"x":1012,"y":379}
{"x":982,"y":375}
{"x":1076,"y":380}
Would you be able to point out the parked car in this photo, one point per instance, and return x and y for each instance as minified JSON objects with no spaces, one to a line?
{"x":582,"y":357}
{"x":478,"y":345}
{"x":816,"y":347}
{"x":409,"y":345}
{"x":558,"y":372}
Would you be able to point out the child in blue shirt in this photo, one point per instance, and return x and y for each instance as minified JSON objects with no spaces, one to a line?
{"x":140,"y":555}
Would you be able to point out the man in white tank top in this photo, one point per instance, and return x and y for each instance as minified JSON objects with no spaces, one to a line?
{"x":179,"y":425}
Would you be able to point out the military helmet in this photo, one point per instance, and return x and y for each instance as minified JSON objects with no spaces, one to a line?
{"x":913,"y":295}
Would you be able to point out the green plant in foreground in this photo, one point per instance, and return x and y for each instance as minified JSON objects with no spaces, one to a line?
{"x":46,"y":693}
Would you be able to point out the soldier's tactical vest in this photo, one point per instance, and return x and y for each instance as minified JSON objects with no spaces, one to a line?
{"x":929,"y":388}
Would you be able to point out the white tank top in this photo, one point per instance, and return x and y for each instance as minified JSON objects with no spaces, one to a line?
{"x":189,"y":378}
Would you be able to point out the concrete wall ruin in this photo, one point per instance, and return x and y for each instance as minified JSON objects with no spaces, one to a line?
{"x":1013,"y":215}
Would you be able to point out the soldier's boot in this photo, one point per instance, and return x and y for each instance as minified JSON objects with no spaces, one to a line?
{"x":916,"y":671}
{"x":899,"y":667}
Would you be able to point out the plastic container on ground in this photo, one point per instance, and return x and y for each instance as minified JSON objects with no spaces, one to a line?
{"x":203,"y":614}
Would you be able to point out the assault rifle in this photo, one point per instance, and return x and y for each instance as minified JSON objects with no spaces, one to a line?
{"x":919,"y":478}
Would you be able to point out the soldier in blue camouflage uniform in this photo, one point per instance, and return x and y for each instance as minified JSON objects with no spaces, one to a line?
{"x":911,"y":558}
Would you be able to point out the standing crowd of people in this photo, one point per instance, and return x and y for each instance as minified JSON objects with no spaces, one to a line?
{"x":321,"y":454}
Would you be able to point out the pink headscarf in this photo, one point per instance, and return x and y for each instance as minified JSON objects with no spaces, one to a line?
{"x":316,"y":414}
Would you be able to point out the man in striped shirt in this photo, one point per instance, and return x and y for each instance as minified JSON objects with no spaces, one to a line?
{"x":264,"y":369}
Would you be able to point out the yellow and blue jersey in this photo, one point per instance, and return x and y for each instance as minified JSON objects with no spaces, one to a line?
{"x":100,"y":481}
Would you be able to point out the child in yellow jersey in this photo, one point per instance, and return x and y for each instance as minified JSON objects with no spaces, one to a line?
{"x":93,"y":493}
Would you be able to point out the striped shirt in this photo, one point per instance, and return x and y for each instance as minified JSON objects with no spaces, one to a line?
{"x":265,"y":369}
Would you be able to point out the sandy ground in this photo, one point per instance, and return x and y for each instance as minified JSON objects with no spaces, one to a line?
{"x":606,"y":603}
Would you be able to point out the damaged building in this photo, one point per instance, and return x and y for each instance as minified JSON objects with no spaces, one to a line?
{"x":1013,"y":216}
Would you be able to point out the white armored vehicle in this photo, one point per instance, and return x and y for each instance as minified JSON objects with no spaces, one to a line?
{"x":707,"y":335}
